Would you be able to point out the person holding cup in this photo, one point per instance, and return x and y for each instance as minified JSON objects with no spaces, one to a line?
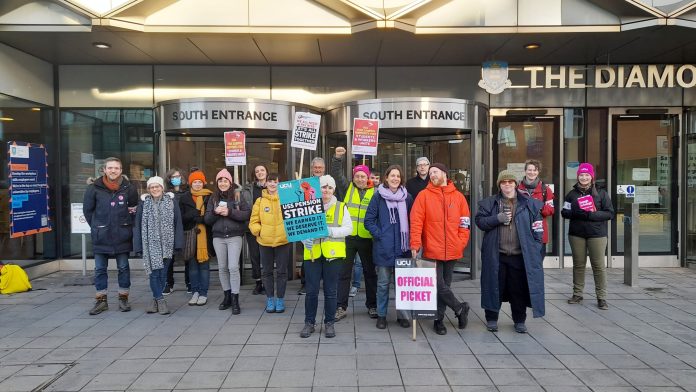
{"x":227,"y":215}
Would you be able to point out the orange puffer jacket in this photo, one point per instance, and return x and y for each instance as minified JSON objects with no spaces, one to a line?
{"x":440,"y":222}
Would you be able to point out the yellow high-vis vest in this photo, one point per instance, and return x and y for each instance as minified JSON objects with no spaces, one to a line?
{"x":357,"y":209}
{"x":330,"y":248}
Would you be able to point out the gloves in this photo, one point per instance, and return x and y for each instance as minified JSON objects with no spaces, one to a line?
{"x":503,"y":217}
{"x":308,"y":243}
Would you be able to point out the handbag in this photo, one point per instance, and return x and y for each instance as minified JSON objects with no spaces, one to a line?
{"x":189,"y":244}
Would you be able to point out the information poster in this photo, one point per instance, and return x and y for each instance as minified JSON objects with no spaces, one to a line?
{"x":78,"y":222}
{"x":416,"y":289}
{"x":305,"y":131}
{"x":303,"y":210}
{"x":365,"y":136}
{"x":517,"y":168}
{"x":28,"y":175}
{"x":235,"y":148}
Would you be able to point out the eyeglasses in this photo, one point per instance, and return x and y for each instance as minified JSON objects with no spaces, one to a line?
{"x":422,"y":165}
{"x":507,"y":182}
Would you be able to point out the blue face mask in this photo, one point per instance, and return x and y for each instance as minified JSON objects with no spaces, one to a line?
{"x":176,"y":181}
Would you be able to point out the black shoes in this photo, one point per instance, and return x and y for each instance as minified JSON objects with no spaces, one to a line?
{"x":403,"y":323}
{"x":381,"y":322}
{"x":602,"y":304}
{"x":440,"y":328}
{"x":235,"y":304}
{"x":463,"y":316}
{"x":258,"y":289}
{"x":226,"y":300}
{"x":575,"y":299}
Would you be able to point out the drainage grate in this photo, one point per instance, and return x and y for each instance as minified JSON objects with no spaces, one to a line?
{"x":654,"y":288}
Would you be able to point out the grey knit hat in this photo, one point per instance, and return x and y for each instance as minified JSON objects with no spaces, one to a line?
{"x":506,"y":175}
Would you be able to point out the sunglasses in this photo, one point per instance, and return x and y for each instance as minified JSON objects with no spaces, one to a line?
{"x":507,"y":182}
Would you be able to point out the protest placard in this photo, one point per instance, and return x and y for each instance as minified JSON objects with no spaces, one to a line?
{"x":365,"y":136}
{"x":28,"y":189}
{"x":302,"y":208}
{"x":586,"y":203}
{"x":416,"y":289}
{"x":305,"y":132}
{"x":235,"y":148}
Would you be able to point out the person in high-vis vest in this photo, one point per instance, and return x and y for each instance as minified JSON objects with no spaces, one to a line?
{"x":323,"y":259}
{"x":356,"y":195}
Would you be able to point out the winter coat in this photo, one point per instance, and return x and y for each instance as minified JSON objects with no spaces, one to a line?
{"x":266,"y":221}
{"x":415,"y":185}
{"x":178,"y":227}
{"x":529,"y":231}
{"x":386,"y":236}
{"x":583,"y":223}
{"x":232,"y":225}
{"x":108,"y":217}
{"x":250,"y":193}
{"x":440,"y":222}
{"x":548,"y":207}
{"x":190,"y":216}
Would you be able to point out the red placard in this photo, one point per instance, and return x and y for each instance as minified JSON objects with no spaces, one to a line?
{"x":235,"y":148}
{"x":365,"y":136}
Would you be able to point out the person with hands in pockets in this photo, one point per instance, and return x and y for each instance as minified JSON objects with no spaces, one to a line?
{"x":588,"y":208}
{"x":511,"y":268}
{"x":324,"y":258}
{"x":440,"y":223}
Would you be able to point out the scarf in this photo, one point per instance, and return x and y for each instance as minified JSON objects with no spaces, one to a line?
{"x":157,"y":231}
{"x":396,"y":203}
{"x":530,"y":186}
{"x":202,"y":236}
{"x":112,"y":185}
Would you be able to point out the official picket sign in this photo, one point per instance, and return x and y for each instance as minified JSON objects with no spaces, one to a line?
{"x":305,"y":132}
{"x":29,"y":211}
{"x":302,"y":208}
{"x":235,"y":148}
{"x":416,"y":289}
{"x":365,"y":136}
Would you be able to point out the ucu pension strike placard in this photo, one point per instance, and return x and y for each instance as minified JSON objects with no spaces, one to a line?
{"x":416,"y":289}
{"x":302,"y":208}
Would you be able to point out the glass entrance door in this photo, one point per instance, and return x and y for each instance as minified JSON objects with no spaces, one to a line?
{"x":645,"y":155}
{"x":519,"y":138}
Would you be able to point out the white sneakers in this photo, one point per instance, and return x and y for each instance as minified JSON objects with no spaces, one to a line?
{"x":353,"y":291}
{"x":194,"y":299}
{"x":202,"y":300}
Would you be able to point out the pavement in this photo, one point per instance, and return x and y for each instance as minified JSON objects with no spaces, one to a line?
{"x":646,"y":341}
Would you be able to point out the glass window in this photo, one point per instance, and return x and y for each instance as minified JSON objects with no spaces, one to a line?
{"x":89,"y":137}
{"x":29,"y":122}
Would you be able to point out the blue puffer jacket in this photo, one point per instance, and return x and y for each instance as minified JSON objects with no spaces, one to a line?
{"x":386,"y":236}
{"x":108,"y":217}
{"x":527,"y":213}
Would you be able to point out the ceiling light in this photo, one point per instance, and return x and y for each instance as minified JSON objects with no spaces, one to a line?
{"x":275,"y":144}
{"x":532,"y":46}
{"x":101,"y":45}
{"x":6,"y":119}
{"x":35,"y":109}
{"x":275,"y":148}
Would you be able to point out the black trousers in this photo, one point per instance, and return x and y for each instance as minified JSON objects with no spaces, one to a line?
{"x":170,"y":273}
{"x":363,"y":247}
{"x":513,"y":287}
{"x":254,"y":256}
{"x":445,"y":296}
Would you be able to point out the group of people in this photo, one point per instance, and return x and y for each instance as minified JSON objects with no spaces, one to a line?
{"x":377,"y":222}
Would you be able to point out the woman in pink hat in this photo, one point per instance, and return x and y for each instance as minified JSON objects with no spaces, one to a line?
{"x":588,"y":208}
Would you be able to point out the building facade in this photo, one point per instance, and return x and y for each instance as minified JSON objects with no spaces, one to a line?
{"x":611,"y":83}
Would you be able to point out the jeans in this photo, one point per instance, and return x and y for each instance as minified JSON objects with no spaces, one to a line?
{"x":158,"y":278}
{"x":445,"y":296}
{"x":357,"y":271}
{"x":362,"y":247}
{"x":384,"y":279}
{"x":254,"y":256}
{"x":199,"y":275}
{"x":101,"y":278}
{"x":280,"y":256}
{"x":316,"y":271}
{"x":228,"y":251}
{"x":596,"y":247}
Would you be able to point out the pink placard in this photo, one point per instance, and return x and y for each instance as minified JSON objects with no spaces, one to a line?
{"x":586,"y":203}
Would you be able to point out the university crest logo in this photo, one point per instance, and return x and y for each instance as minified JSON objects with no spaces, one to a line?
{"x":494,"y":77}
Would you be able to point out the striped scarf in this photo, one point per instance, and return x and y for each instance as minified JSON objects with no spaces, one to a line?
{"x":157,"y":230}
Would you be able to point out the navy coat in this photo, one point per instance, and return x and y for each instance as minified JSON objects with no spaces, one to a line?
{"x":108,"y":217}
{"x":386,"y":236}
{"x":528,"y":212}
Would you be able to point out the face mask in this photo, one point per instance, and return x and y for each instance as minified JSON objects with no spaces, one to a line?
{"x":176,"y":181}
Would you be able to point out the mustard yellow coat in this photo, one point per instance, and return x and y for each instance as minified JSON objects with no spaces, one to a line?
{"x":266,"y":221}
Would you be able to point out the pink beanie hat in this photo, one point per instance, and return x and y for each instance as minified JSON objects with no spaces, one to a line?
{"x":587,"y":169}
{"x":224,"y":174}
{"x":362,"y":168}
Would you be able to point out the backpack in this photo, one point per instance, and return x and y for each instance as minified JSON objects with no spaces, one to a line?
{"x":13,"y":279}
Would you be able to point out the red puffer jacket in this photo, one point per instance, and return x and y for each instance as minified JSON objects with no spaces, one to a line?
{"x":548,"y":208}
{"x":440,"y":222}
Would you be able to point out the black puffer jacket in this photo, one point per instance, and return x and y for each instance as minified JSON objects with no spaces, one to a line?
{"x":587,"y":224}
{"x":190,"y":215}
{"x":235,"y":224}
{"x":107,"y":213}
